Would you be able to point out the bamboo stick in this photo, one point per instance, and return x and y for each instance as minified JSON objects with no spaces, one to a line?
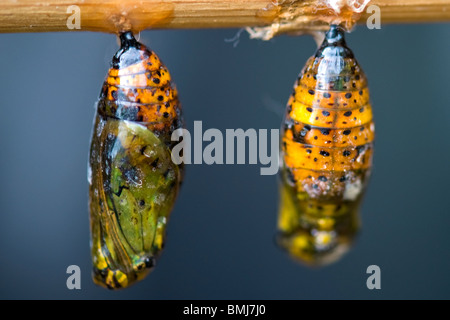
{"x":119,"y":15}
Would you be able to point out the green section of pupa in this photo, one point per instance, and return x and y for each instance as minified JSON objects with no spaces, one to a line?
{"x":133,"y":186}
{"x":315,"y":232}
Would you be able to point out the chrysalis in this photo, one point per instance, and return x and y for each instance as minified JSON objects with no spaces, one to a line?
{"x":133,"y":181}
{"x":327,"y":149}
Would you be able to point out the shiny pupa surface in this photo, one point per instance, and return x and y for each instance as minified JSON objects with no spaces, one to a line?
{"x":133,"y":182}
{"x":326,"y":152}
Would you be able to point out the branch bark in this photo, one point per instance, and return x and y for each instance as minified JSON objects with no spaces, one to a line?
{"x":136,"y":15}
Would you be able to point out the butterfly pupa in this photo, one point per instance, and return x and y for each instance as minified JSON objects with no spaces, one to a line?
{"x":326,"y":152}
{"x":133,"y":182}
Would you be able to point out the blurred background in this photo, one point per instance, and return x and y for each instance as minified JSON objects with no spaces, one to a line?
{"x":221,"y":235}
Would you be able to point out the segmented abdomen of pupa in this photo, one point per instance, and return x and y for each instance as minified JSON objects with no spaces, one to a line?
{"x":327,"y":143}
{"x":328,"y":128}
{"x":139,"y":88}
{"x":133,"y":180}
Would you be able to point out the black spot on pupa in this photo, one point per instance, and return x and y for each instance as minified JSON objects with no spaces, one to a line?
{"x":165,"y":174}
{"x":165,"y":114}
{"x":346,"y":153}
{"x":357,"y":77}
{"x":315,"y":186}
{"x":348,"y":113}
{"x":160,"y":98}
{"x":172,"y":184}
{"x":156,"y":80}
{"x":309,"y":109}
{"x":154,"y":164}
{"x":325,"y":132}
{"x":315,"y":159}
{"x":149,"y":262}
{"x":346,"y":132}
{"x":360,"y":92}
{"x":324,"y":153}
{"x":322,"y":178}
{"x":325,"y":113}
{"x":310,"y":91}
{"x":327,"y":95}
{"x":348,"y":95}
{"x":308,"y":150}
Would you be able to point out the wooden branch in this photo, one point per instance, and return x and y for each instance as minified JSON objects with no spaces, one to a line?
{"x":120,"y":15}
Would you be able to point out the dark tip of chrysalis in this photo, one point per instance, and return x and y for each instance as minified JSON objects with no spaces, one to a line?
{"x":124,"y":57}
{"x":127,"y":40}
{"x":335,"y":36}
{"x":335,"y":41}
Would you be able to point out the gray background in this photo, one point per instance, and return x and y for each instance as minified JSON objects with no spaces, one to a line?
{"x":220,"y":238}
